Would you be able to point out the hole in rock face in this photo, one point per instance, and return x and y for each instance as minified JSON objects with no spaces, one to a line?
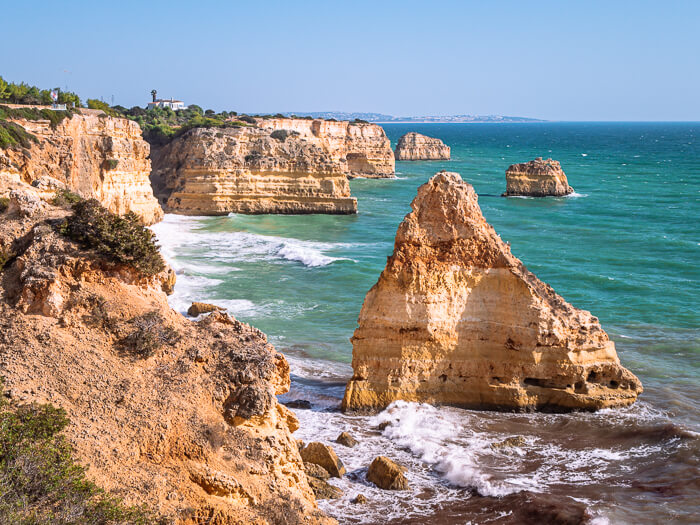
{"x":533,"y":381}
{"x":496,"y":380}
{"x":592,"y":377}
{"x":443,"y":377}
{"x":614,"y":384}
{"x":578,"y":387}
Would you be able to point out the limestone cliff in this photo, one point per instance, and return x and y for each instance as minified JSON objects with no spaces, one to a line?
{"x":455,"y":318}
{"x":362,"y":149}
{"x":212,"y":171}
{"x":414,"y":146}
{"x":95,"y":156}
{"x":537,"y":178}
{"x":181,"y":416}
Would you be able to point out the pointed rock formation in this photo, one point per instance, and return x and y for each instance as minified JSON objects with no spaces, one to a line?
{"x":537,"y":178}
{"x":455,"y":318}
{"x":414,"y":146}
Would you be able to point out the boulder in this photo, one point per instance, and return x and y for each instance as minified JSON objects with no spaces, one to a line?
{"x":197,"y":309}
{"x":316,"y":471}
{"x":414,"y":146}
{"x":537,"y":178}
{"x":359,"y":499}
{"x":346,"y":439}
{"x":298,"y":403}
{"x":515,"y":441}
{"x":386,"y":474}
{"x":24,"y":204}
{"x":455,"y":318}
{"x":324,"y":456}
{"x":323,"y":489}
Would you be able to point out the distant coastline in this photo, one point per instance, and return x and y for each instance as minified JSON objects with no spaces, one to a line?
{"x":381,"y":118}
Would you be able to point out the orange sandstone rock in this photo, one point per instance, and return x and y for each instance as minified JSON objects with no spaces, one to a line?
{"x":414,"y":146}
{"x":455,"y":318}
{"x":537,"y":178}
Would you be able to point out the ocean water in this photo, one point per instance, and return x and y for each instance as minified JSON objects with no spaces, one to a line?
{"x":625,"y":245}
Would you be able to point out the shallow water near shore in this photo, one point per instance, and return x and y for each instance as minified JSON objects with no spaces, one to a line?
{"x":625,"y":246}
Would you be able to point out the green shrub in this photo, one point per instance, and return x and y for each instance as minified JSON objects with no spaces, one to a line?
{"x":247,"y":119}
{"x":65,"y":198}
{"x":4,"y":203}
{"x":14,"y":136}
{"x":5,"y":255}
{"x":110,"y":164}
{"x":40,"y":481}
{"x":150,"y":334}
{"x":119,"y":239}
{"x":54,"y":117}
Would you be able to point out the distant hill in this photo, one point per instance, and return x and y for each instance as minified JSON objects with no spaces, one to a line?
{"x":381,"y":117}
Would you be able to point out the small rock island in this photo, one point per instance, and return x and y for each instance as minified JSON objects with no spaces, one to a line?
{"x":414,"y":146}
{"x":537,"y":178}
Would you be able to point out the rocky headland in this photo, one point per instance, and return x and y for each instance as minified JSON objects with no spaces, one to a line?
{"x":92,"y":154}
{"x":414,"y":146}
{"x":178,"y":415}
{"x":213,"y":171}
{"x":537,"y":178}
{"x":456,"y":319}
{"x":277,"y":165}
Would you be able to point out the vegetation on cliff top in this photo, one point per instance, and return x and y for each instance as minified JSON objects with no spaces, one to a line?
{"x":40,"y":481}
{"x":23,"y":93}
{"x":120,"y":239}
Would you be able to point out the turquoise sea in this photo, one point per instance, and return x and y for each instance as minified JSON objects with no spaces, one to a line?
{"x":625,"y":245}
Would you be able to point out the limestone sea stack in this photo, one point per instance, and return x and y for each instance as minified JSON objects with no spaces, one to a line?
{"x":93,"y":155}
{"x":537,"y":178}
{"x":456,"y":319}
{"x":414,"y":146}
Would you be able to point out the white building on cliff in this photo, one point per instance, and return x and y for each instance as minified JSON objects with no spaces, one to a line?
{"x":167,"y":103}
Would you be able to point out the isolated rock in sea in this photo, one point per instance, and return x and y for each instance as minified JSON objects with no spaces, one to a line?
{"x":360,"y":499}
{"x":324,"y":456}
{"x":197,"y":309}
{"x":91,"y":154}
{"x":147,"y":420}
{"x":537,"y":178}
{"x":455,"y":318}
{"x":414,"y":146}
{"x":346,"y":439}
{"x":386,"y":474}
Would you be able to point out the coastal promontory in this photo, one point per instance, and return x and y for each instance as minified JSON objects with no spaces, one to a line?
{"x":456,"y":319}
{"x":88,"y":152}
{"x":537,"y":178}
{"x":414,"y":146}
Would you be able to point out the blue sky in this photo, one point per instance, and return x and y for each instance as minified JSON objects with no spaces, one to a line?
{"x":559,"y":60}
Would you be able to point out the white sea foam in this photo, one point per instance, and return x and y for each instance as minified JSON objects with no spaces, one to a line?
{"x":575,"y":195}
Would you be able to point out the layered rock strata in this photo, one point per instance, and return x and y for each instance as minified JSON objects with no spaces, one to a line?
{"x":211,"y":171}
{"x":414,"y":146}
{"x":455,"y":318}
{"x":362,"y":149}
{"x":181,"y":416}
{"x":537,"y":178}
{"x":95,"y":156}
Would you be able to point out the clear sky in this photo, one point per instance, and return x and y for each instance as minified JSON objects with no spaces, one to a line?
{"x":559,"y":60}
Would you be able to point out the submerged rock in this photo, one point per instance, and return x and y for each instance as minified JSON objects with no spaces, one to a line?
{"x":515,"y":441}
{"x":414,"y":146}
{"x":386,"y":474}
{"x":455,"y":318}
{"x":359,"y":499}
{"x":346,"y":439}
{"x":324,"y":456}
{"x":537,"y":178}
{"x":298,"y":403}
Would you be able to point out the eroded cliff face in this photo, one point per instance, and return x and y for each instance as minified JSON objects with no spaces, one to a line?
{"x":179,"y":415}
{"x":211,"y":171}
{"x":537,"y":178}
{"x":455,"y":318}
{"x":414,"y":146}
{"x":95,"y":156}
{"x":360,"y":148}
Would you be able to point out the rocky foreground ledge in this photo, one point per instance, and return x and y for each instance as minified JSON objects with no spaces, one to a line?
{"x":414,"y":146}
{"x":537,"y":178}
{"x":456,"y":319}
{"x":178,"y":415}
